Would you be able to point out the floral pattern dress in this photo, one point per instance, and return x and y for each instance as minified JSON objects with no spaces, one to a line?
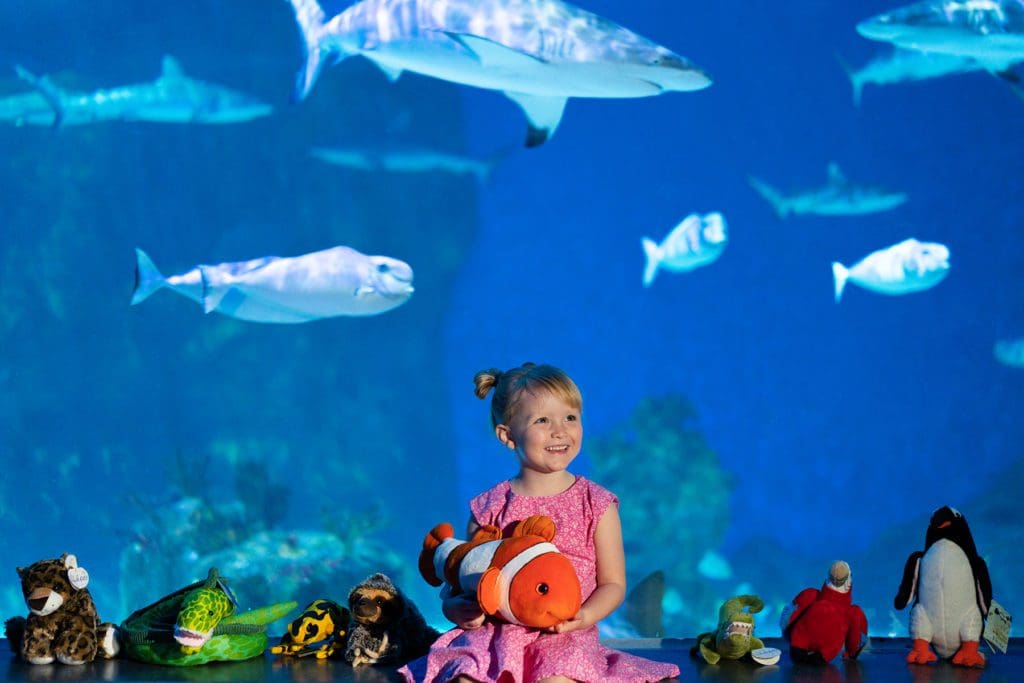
{"x":508,"y":653}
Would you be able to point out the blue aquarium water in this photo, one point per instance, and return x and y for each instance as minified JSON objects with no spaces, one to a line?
{"x":754,"y":428}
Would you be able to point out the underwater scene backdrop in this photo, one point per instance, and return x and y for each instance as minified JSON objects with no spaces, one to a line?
{"x":754,"y":426}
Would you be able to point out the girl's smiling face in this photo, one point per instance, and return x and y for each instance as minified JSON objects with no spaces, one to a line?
{"x":545,"y":431}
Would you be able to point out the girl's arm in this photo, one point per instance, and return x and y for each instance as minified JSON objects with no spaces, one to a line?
{"x":611,"y":575}
{"x":461,"y":609}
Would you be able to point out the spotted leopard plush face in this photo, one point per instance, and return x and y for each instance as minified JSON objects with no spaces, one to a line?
{"x":202,"y":609}
{"x":45,"y":586}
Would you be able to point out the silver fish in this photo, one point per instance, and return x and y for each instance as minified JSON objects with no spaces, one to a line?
{"x":838,"y":197}
{"x":990,"y":32}
{"x":537,"y":52}
{"x":410,"y":160}
{"x":172,"y":98}
{"x":909,"y":266}
{"x":696,"y":241}
{"x":901,"y":65}
{"x":323,"y":284}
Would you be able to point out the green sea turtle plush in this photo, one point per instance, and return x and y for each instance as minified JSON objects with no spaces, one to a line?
{"x":196,"y":625}
{"x":735,"y":638}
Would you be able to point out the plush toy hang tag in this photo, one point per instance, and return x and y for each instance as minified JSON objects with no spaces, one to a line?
{"x":78,"y":577}
{"x":997,"y":627}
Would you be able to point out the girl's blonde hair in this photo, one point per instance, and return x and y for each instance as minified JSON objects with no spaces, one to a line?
{"x":529,"y":377}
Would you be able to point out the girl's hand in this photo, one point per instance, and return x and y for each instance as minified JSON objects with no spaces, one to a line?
{"x":464,"y":611}
{"x":575,"y":624}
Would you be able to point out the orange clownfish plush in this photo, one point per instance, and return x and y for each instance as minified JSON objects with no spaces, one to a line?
{"x":522,"y":579}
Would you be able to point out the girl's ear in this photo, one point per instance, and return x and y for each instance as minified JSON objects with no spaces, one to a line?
{"x":504,"y":435}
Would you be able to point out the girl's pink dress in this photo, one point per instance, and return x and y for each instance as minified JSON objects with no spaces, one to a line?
{"x":509,"y":653}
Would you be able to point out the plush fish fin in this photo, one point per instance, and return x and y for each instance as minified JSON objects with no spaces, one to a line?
{"x":835,"y":174}
{"x":170,"y":69}
{"x":652,"y":256}
{"x":908,"y":586}
{"x":494,"y":55}
{"x":51,"y":93}
{"x":147,"y":278}
{"x":488,"y":532}
{"x":542,"y":113}
{"x":840,"y":274}
{"x":488,"y":591}
{"x":310,"y":19}
{"x":536,"y":525}
{"x":262,"y":615}
{"x":773,"y":196}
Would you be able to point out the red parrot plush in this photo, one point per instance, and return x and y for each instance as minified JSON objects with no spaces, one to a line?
{"x":819,"y":624}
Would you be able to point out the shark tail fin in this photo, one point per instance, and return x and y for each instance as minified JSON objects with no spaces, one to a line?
{"x":855,"y":82}
{"x":310,"y":18}
{"x":652,"y":256}
{"x":147,"y":278}
{"x":773,"y":196}
{"x":840,"y":274}
{"x":48,"y":90}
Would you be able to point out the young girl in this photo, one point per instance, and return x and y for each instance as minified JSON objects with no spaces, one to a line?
{"x":535,"y":412}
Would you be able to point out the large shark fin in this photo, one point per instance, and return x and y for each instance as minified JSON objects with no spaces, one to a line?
{"x":494,"y":55}
{"x":393,"y":73}
{"x":835,"y":174}
{"x":543,"y":114}
{"x":170,"y":69}
{"x":310,"y":18}
{"x":51,"y":93}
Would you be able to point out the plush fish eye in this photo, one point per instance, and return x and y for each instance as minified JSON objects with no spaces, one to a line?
{"x":542,"y":588}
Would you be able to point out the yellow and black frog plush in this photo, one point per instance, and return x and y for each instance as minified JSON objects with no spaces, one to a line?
{"x":734,"y":638}
{"x":321,"y":631}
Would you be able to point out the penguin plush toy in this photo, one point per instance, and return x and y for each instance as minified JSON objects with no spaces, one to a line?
{"x":949,"y":585}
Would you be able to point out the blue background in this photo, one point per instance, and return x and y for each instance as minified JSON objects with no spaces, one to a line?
{"x":842,"y":426}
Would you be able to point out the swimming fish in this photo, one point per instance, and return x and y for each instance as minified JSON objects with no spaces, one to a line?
{"x":839,"y":197}
{"x":172,"y":98}
{"x":990,"y":32}
{"x":332,"y":282}
{"x":696,"y":241}
{"x":1010,"y":352}
{"x":900,"y":65}
{"x":411,"y":160}
{"x":539,"y":53}
{"x":909,"y":266}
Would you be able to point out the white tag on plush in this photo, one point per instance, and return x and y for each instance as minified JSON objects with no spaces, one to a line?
{"x":78,"y":577}
{"x":997,"y":627}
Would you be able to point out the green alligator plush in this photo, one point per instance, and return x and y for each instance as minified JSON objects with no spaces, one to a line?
{"x":735,"y":638}
{"x":196,"y":625}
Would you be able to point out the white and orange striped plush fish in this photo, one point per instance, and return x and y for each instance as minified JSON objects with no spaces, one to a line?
{"x":522,"y":579}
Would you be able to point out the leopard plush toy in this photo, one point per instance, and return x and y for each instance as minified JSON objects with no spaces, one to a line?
{"x":62,"y":623}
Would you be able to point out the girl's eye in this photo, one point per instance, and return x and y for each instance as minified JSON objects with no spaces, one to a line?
{"x":541,"y":420}
{"x":572,"y":418}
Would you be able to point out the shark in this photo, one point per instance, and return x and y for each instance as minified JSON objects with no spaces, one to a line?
{"x":900,"y":65}
{"x":838,"y":197}
{"x":991,"y":32}
{"x":539,"y":53}
{"x":173,"y":97}
{"x":407,"y":160}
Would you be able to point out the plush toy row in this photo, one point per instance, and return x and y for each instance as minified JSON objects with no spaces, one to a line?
{"x":520,"y":579}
